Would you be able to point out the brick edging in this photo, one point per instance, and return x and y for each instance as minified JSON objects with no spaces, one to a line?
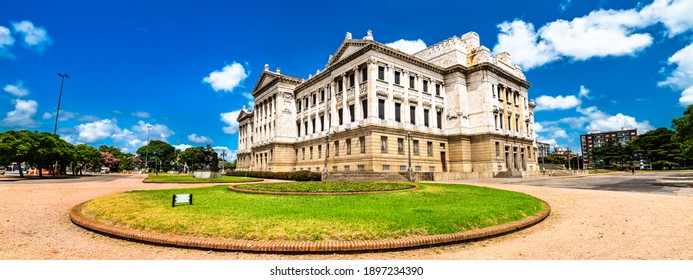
{"x":303,"y":246}
{"x":233,"y":188}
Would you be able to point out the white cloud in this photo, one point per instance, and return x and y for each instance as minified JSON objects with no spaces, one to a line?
{"x":599,"y":34}
{"x":34,"y":37}
{"x":565,"y":5}
{"x":6,"y":40}
{"x":17,"y":89}
{"x":230,"y":118}
{"x":674,"y":14}
{"x":598,"y":120}
{"x":97,"y":131}
{"x":157,"y":131}
{"x":88,"y":118}
{"x":407,"y":46}
{"x":129,"y":140}
{"x":143,"y":115}
{"x":22,"y":115}
{"x":520,"y":40}
{"x":682,"y":77}
{"x":584,"y":92}
{"x":230,"y":155}
{"x":550,"y":103}
{"x":251,"y":99}
{"x":199,"y":139}
{"x":228,"y":78}
{"x":64,"y":115}
{"x":182,"y":147}
{"x":559,"y":133}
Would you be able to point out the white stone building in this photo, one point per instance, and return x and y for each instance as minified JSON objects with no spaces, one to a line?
{"x":467,"y":111}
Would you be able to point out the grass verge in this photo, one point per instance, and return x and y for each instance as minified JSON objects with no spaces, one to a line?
{"x":331,"y":187}
{"x":433,"y":209}
{"x":187,"y":178}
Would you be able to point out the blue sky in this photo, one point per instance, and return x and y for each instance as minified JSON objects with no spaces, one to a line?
{"x":187,"y":67}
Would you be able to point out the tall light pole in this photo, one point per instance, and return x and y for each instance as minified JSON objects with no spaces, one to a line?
{"x":146,"y":156}
{"x":62,"y":81}
{"x":408,"y":137}
{"x":223,"y":154}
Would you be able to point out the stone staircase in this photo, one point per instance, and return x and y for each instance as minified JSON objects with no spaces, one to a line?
{"x":508,"y":174}
{"x":365,"y":176}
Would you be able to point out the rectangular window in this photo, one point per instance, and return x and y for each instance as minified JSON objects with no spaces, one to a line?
{"x":381,"y":73}
{"x":306,"y":126}
{"x":416,"y":147}
{"x":312,"y":121}
{"x":296,"y":154}
{"x":336,"y":148}
{"x":362,"y":144}
{"x":364,"y":74}
{"x":400,"y":146}
{"x":322,"y":95}
{"x":437,"y":89}
{"x":412,"y":114}
{"x":298,"y":128}
{"x":429,"y":148}
{"x":383,"y":144}
{"x":432,"y":169}
{"x":351,"y":113}
{"x":311,"y":152}
{"x":315,"y":99}
{"x":397,"y":81}
{"x":340,"y":112}
{"x":426,"y":117}
{"x":364,"y":106}
{"x":425,"y":86}
{"x":334,"y":168}
{"x":439,"y":119}
{"x":304,"y":153}
{"x":346,"y":168}
{"x":398,"y":109}
{"x":417,"y":168}
{"x":348,"y":144}
{"x":351,"y":81}
{"x":319,"y":151}
{"x":386,"y":167}
{"x":497,"y":149}
{"x":322,"y":123}
{"x":360,"y":167}
{"x":402,"y":168}
{"x":411,"y":82}
{"x":381,"y":109}
{"x":340,"y":87}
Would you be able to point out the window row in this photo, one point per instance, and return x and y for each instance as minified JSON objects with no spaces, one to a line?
{"x":309,"y":152}
{"x":412,"y":79}
{"x":414,"y":146}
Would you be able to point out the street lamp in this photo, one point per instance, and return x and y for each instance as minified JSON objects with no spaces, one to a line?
{"x":62,"y":81}
{"x":409,"y":138}
{"x":223,"y":154}
{"x":146,"y":156}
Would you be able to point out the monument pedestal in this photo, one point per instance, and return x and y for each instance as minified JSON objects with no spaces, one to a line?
{"x":206,"y":174}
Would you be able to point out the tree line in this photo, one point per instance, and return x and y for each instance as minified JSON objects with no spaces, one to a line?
{"x":662,"y":147}
{"x":46,"y":151}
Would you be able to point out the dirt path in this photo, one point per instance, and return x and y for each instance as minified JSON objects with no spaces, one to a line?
{"x":584,"y":224}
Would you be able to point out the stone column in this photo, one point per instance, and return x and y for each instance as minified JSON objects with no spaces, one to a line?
{"x":404,"y":79}
{"x":358,"y":115}
{"x":372,"y":98}
{"x":345,"y":107}
{"x":333,"y":105}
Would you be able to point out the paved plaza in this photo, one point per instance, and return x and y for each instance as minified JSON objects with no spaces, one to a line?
{"x":616,"y":216}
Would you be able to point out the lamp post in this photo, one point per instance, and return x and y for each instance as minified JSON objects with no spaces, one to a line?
{"x":146,"y":156}
{"x":327,"y":153}
{"x":223,"y":154}
{"x":408,"y":137}
{"x":60,"y":96}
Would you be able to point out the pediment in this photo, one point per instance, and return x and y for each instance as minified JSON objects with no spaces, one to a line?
{"x":265,"y":78}
{"x":347,"y":48}
{"x":245,"y":113}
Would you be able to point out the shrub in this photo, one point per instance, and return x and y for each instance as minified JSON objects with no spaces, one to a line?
{"x":294,"y":176}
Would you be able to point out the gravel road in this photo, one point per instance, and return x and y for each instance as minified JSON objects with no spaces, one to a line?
{"x":584,"y":224}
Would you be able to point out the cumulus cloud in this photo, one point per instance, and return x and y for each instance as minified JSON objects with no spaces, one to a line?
{"x":251,"y":99}
{"x":6,"y":41}
{"x":22,"y":115}
{"x":550,"y":103}
{"x":230,"y":119}
{"x":182,"y":147}
{"x":141,"y":114}
{"x":674,"y":14}
{"x":598,"y":120}
{"x":584,"y":92}
{"x":682,"y":76}
{"x":520,"y":40}
{"x":97,"y":131}
{"x":33,"y":37}
{"x":408,"y":46}
{"x":64,"y":115}
{"x":17,"y":89}
{"x":199,"y":139}
{"x":88,"y":118}
{"x":228,"y":78}
{"x":229,"y":154}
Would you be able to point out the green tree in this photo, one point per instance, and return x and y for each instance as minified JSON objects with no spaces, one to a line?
{"x":192,"y":157}
{"x":659,"y":147}
{"x":610,"y":153}
{"x":119,"y":156}
{"x":683,"y":126}
{"x":17,"y":146}
{"x":158,"y":154}
{"x":49,"y":151}
{"x":86,"y":157}
{"x":126,"y":162}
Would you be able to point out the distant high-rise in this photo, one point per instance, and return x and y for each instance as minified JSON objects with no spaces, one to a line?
{"x":596,"y":139}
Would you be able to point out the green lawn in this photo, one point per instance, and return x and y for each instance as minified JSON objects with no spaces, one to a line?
{"x":311,"y":187}
{"x":433,"y":209}
{"x":188,"y":178}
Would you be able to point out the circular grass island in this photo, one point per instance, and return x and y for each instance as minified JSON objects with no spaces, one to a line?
{"x":226,"y":220}
{"x":322,"y":188}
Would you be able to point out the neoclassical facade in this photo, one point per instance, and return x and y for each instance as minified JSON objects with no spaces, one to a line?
{"x":467,"y":112}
